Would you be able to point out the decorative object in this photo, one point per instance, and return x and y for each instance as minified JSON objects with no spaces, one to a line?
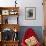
{"x":6,"y":21}
{"x":15,"y":3}
{"x":30,"y":13}
{"x":15,"y":37}
{"x":5,"y":12}
{"x":15,"y":30}
{"x":13,"y":12}
{"x":7,"y":34}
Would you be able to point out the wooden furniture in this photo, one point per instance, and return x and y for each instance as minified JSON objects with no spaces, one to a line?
{"x":5,"y":13}
{"x":44,"y":7}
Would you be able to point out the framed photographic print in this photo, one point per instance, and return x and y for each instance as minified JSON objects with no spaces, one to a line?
{"x":30,"y":13}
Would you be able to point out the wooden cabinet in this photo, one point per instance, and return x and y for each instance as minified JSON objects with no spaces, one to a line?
{"x":5,"y":26}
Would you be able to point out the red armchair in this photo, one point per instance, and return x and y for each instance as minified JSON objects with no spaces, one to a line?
{"x":29,"y":36}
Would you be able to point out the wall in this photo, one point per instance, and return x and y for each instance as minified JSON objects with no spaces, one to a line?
{"x":26,"y":3}
{"x":39,"y":13}
{"x":38,"y":23}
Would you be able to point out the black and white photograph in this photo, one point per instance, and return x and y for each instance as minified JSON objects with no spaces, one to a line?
{"x":30,"y":13}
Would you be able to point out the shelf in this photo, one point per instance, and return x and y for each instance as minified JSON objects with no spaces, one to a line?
{"x":10,"y":26}
{"x":11,"y":41}
{"x":5,"y":12}
{"x":9,"y":10}
{"x":4,"y":8}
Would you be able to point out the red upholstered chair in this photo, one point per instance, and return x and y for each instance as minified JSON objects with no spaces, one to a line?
{"x":28,"y":34}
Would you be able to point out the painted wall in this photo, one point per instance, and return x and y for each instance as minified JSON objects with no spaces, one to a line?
{"x":26,"y":3}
